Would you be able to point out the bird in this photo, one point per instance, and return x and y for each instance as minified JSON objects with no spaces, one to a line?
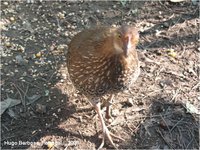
{"x":101,"y":61}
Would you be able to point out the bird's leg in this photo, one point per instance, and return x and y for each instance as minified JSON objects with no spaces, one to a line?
{"x":106,"y":132}
{"x":108,"y":107}
{"x":104,"y":128}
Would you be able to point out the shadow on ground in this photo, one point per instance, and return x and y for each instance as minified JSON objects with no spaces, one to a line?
{"x":34,"y":43}
{"x":167,"y":126}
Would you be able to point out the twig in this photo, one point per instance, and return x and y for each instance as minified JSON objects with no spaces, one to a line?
{"x":160,"y":1}
{"x":176,"y":93}
{"x":167,"y":126}
{"x":179,"y":76}
{"x":5,"y":127}
{"x":51,"y":76}
{"x":79,"y":132}
{"x":58,"y":22}
{"x":165,"y":123}
{"x":191,"y":133}
{"x":24,"y":103}
{"x":158,"y":131}
{"x":133,"y":130}
{"x":180,"y":43}
{"x":178,"y":139}
{"x":194,"y":87}
{"x":130,"y":128}
{"x":22,"y":100}
{"x":189,"y":143}
{"x":56,"y":66}
{"x":33,"y":85}
{"x":176,"y":124}
{"x":8,"y":138}
{"x":180,"y":132}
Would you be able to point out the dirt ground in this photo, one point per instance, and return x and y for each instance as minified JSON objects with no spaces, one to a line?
{"x":159,"y":112}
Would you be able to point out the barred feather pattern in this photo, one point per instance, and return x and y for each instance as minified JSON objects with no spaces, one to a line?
{"x":99,"y":76}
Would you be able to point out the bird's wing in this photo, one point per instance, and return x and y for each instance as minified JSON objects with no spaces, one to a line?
{"x":90,"y":40}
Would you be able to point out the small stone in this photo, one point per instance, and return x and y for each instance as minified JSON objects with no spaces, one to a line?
{"x":12,"y":19}
{"x":130,"y":101}
{"x":8,"y":44}
{"x":62,"y":47}
{"x":30,"y":1}
{"x":24,"y":74}
{"x":115,"y":112}
{"x":41,"y":108}
{"x":61,"y":15}
{"x":50,"y":145}
{"x":21,"y":48}
{"x":55,"y":115}
{"x":10,"y":62}
{"x":80,"y":119}
{"x":20,"y":60}
{"x":46,"y":92}
{"x":38,"y":55}
{"x":16,"y":70}
{"x":66,"y":33}
{"x":59,"y":110}
{"x":5,"y":3}
{"x":64,"y":76}
{"x":166,"y":25}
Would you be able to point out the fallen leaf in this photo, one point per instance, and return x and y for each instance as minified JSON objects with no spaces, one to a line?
{"x":12,"y":113}
{"x":32,"y":99}
{"x":8,"y":103}
{"x":191,"y":108}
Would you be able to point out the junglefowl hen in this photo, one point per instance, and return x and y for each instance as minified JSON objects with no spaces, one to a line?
{"x":102,"y":61}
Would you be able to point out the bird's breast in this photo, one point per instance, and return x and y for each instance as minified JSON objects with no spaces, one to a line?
{"x":99,"y":76}
{"x":126,"y":72}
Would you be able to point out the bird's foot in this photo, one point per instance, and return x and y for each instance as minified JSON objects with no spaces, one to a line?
{"x":109,"y":135}
{"x":109,"y":118}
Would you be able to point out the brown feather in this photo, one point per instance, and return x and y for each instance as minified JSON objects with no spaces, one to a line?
{"x":94,"y":66}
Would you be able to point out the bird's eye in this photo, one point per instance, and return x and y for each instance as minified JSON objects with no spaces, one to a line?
{"x":119,"y":35}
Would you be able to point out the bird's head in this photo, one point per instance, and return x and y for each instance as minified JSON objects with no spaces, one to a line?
{"x":125,"y":40}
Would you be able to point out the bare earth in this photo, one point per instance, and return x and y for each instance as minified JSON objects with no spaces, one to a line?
{"x":157,"y":113}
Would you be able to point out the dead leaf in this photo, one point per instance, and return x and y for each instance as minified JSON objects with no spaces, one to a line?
{"x":8,"y":103}
{"x":12,"y":113}
{"x":32,"y":99}
{"x":191,"y":108}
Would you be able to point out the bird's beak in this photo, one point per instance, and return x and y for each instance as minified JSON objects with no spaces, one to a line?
{"x":127,"y":45}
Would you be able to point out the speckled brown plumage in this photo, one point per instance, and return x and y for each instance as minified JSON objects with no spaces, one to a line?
{"x":103,"y":60}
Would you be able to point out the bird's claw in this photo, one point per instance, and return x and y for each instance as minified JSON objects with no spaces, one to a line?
{"x":109,"y":135}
